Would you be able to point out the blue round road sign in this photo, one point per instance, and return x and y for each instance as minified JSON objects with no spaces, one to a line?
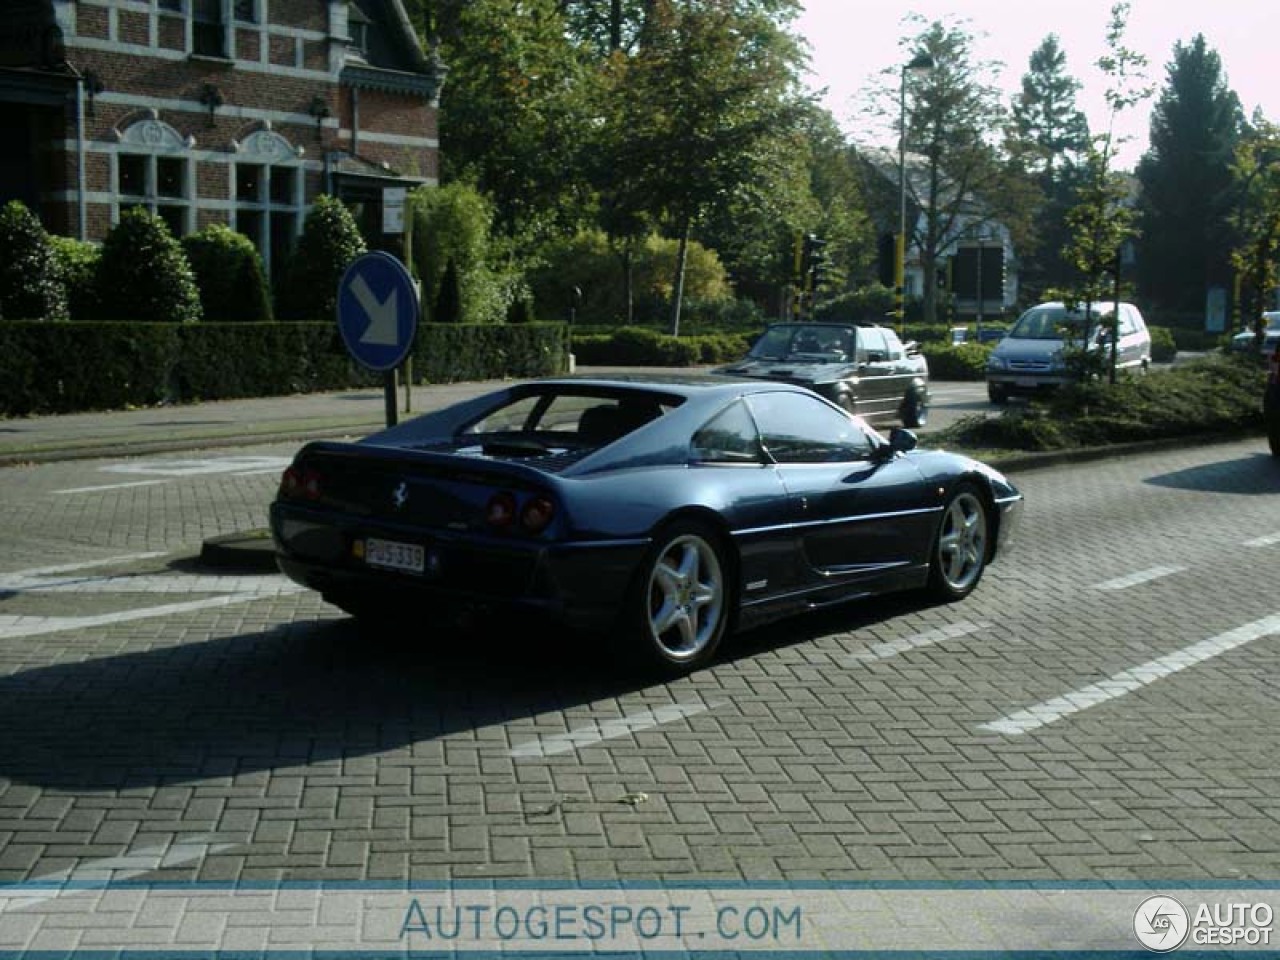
{"x":377,"y":310}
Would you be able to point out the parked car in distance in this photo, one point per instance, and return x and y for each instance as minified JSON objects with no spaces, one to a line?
{"x":1271,"y":404}
{"x":657,"y":513}
{"x":1030,"y":358}
{"x":862,"y":368}
{"x":1246,"y":339}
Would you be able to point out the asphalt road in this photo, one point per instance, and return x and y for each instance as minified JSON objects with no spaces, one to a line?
{"x":1102,"y":708}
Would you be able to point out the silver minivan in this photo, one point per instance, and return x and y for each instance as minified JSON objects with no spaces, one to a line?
{"x":1030,"y":359}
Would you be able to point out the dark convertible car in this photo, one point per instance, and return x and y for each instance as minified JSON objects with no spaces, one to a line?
{"x":664,"y":512}
{"x":863,"y":368}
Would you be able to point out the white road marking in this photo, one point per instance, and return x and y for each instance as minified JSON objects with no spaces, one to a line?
{"x":264,"y":585}
{"x":111,"y":486}
{"x":134,"y":864}
{"x":85,"y":564}
{"x":1267,"y":541}
{"x":891,"y":648}
{"x":1133,"y":579}
{"x":191,"y":468}
{"x":1127,"y":681}
{"x":592,"y":733}
{"x":13,"y":626}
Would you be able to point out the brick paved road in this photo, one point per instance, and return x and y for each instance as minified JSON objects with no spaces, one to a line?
{"x":1103,"y":707}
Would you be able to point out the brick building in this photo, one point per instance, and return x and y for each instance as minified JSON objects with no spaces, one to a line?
{"x":213,"y":111}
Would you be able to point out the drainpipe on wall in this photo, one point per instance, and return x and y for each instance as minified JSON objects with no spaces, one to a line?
{"x":81,"y":212}
{"x":355,"y":121}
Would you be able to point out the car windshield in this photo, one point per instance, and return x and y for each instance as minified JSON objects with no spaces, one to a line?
{"x":787,"y":340}
{"x":1048,"y":323}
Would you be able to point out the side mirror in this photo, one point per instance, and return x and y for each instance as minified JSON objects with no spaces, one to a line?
{"x":901,"y":440}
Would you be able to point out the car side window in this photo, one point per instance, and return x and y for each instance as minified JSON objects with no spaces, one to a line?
{"x":728,"y":437}
{"x":893,"y":346}
{"x":871,"y":345}
{"x":799,"y":428}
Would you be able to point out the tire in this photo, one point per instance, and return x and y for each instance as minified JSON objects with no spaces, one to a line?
{"x":960,"y":547}
{"x":846,"y":403}
{"x":997,"y":395}
{"x":679,"y":606}
{"x":915,"y":410}
{"x":1273,"y":435}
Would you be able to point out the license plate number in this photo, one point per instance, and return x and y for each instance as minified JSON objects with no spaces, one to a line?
{"x":390,"y":555}
{"x":1025,"y":382}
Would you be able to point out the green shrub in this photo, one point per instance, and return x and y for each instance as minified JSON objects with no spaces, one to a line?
{"x":1164,"y":347}
{"x":873,"y":304}
{"x":960,"y":361}
{"x":330,"y":241}
{"x":642,"y":347}
{"x":31,"y":286}
{"x":144,"y":275}
{"x":229,"y":275}
{"x":1210,"y":394}
{"x":78,"y":267}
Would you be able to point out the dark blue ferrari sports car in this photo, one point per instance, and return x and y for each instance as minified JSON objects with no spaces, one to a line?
{"x":663,"y":511}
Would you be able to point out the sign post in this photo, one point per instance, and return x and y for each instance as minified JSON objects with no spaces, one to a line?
{"x":378,"y":316}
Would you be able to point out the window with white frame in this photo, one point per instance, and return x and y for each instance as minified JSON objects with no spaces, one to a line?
{"x":152,"y":169}
{"x":268,"y":196}
{"x":209,"y":29}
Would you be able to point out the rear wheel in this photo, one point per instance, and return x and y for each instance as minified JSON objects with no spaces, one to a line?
{"x":679,"y":606}
{"x":959,"y":554}
{"x":997,"y":394}
{"x":1273,"y":434}
{"x":915,"y":410}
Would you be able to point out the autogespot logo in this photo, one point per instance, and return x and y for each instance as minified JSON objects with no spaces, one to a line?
{"x":1161,"y":924}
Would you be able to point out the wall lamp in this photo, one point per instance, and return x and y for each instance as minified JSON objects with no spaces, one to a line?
{"x":212,"y":98}
{"x":320,"y":110}
{"x":93,"y":86}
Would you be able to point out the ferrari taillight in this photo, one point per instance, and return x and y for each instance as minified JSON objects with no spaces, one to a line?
{"x":300,"y":483}
{"x":537,"y":513}
{"x":500,"y":511}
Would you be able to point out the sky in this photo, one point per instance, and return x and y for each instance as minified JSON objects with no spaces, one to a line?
{"x":852,"y":41}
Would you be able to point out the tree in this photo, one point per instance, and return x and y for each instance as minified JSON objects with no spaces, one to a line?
{"x":143,"y":273}
{"x":1102,"y":219}
{"x":31,"y":287}
{"x":1256,"y":255}
{"x":513,"y":115}
{"x":229,"y":274}
{"x":1048,"y":129}
{"x":330,"y":241}
{"x":954,"y":177}
{"x":1187,"y":199}
{"x":707,"y":96}
{"x":1046,"y":143}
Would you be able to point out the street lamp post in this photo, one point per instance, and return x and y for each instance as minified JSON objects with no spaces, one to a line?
{"x":920,"y":64}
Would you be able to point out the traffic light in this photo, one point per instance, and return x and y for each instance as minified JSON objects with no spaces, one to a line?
{"x":814,"y":263}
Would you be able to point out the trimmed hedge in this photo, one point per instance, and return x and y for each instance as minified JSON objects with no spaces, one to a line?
{"x":67,"y":367}
{"x":642,"y":347}
{"x":960,"y":361}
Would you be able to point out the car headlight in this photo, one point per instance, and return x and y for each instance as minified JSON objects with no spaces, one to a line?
{"x":996,"y":363}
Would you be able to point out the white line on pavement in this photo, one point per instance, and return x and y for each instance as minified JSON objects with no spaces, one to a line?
{"x":262,"y":585}
{"x":594,"y":732}
{"x":1267,"y":541}
{"x":13,"y":626}
{"x":85,"y":564}
{"x":112,"y":486}
{"x":891,"y":648}
{"x":1133,"y":579}
{"x":1127,"y":681}
{"x":136,"y":863}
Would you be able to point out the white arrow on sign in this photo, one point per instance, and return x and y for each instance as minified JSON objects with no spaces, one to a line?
{"x":383,"y":329}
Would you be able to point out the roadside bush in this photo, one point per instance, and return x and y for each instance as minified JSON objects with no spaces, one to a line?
{"x":1215,"y":393}
{"x":330,"y":241}
{"x":642,"y":347}
{"x":872,"y":304}
{"x":145,"y":275}
{"x":960,"y":361}
{"x":1163,"y":345}
{"x":78,"y":266}
{"x":229,"y":275}
{"x":31,"y":288}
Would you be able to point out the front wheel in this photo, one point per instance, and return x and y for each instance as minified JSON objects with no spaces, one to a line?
{"x":997,"y":394}
{"x":1273,"y":435}
{"x":679,"y":606}
{"x":959,"y":554}
{"x":915,"y":410}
